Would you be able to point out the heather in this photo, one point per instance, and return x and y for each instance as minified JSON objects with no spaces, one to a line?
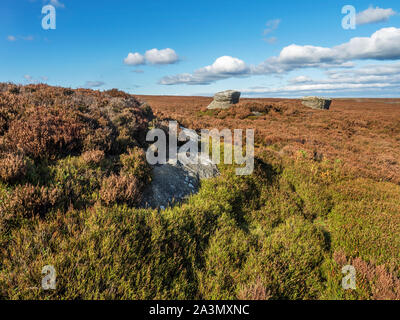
{"x":69,"y":197}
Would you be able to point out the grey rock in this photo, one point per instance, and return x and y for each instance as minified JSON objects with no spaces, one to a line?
{"x":225,"y":99}
{"x":173,"y":182}
{"x":317,"y":103}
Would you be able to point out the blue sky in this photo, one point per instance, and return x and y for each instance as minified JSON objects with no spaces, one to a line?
{"x":285,"y":48}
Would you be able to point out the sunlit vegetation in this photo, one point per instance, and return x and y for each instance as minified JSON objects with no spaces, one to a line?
{"x":70,"y":188}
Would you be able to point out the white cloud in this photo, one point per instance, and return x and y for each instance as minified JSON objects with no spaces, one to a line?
{"x":375,"y":70}
{"x":381,"y":45}
{"x":11,"y":38}
{"x":28,"y":77}
{"x":94,"y":84}
{"x":300,"y":79}
{"x":374,"y":15}
{"x":57,"y":3}
{"x":164,"y":56}
{"x":271,"y":26}
{"x":335,"y":88}
{"x":223,"y":67}
{"x":153,"y":56}
{"x":371,"y":78}
{"x":134,"y":59}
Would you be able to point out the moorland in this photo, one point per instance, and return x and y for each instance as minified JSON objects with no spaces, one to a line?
{"x":324,"y":194}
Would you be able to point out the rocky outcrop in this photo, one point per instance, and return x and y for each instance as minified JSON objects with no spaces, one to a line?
{"x":173,"y":182}
{"x":225,"y":99}
{"x":317,"y":103}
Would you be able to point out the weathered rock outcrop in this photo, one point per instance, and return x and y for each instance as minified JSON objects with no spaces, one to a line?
{"x":173,"y":182}
{"x":317,"y":103}
{"x":225,"y":99}
{"x":176,"y":180}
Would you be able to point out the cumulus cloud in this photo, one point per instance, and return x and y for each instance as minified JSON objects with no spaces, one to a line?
{"x":374,"y":15}
{"x":164,"y":56}
{"x":94,"y":84}
{"x":134,"y":59}
{"x":57,"y":3}
{"x":11,"y":38}
{"x":153,"y":56}
{"x":381,"y":45}
{"x":223,"y":67}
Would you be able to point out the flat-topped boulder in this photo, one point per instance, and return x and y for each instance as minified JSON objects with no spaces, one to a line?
{"x":317,"y":103}
{"x":225,"y":99}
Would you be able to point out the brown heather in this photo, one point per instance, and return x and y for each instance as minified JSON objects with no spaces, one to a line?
{"x":13,"y":167}
{"x":75,"y":139}
{"x":363,"y":133}
{"x":41,"y":134}
{"x":377,"y":281}
{"x":256,"y":291}
{"x":123,"y":189}
{"x":30,"y":201}
{"x":93,"y":157}
{"x":49,"y":122}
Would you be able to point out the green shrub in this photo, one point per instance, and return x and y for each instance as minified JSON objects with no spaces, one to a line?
{"x":288,"y":261}
{"x":115,"y":253}
{"x":365,"y":222}
{"x":134,"y":162}
{"x":310,"y":181}
{"x":224,"y":259}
